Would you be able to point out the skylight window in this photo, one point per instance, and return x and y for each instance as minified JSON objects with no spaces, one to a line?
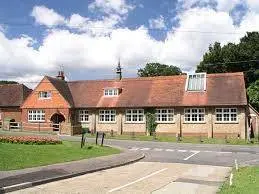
{"x":111,"y":92}
{"x":196,"y":82}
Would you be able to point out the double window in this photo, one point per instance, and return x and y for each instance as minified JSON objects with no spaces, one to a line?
{"x":196,"y":82}
{"x":111,"y":92}
{"x":164,"y":115}
{"x":44,"y":95}
{"x":36,"y":116}
{"x":83,"y":116}
{"x":107,"y":116}
{"x":226,"y":115}
{"x":194,"y":115}
{"x":135,"y":115}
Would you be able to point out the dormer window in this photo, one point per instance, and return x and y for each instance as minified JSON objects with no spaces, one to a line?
{"x":111,"y":92}
{"x":44,"y":95}
{"x":196,"y":82}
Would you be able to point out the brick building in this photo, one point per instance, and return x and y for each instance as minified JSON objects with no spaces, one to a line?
{"x":11,"y":98}
{"x":190,"y":105}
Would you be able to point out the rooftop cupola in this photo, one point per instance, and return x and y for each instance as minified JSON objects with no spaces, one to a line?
{"x":61,"y":75}
{"x":119,"y":71}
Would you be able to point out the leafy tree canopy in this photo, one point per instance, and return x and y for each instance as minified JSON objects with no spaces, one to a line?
{"x":253,"y":93}
{"x":245,"y":55}
{"x":157,"y":69}
{"x":8,"y":82}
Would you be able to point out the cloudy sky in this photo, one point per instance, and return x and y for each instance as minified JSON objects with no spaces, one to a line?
{"x":88,"y":37}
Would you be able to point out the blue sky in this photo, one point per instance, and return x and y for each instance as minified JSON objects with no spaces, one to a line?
{"x":87,"y":37}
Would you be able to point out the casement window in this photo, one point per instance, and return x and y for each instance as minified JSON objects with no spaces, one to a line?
{"x":36,"y":116}
{"x":134,"y":115}
{"x":83,"y":116}
{"x":111,"y":92}
{"x":227,"y":115}
{"x":44,"y":95}
{"x":164,"y":115}
{"x":107,"y":116}
{"x":196,"y":82}
{"x":194,"y":115}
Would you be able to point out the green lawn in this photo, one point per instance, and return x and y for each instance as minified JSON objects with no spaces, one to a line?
{"x":171,"y":138}
{"x":18,"y":156}
{"x":245,"y":181}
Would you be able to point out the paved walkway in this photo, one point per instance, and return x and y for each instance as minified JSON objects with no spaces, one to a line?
{"x":18,"y":179}
{"x":142,"y":178}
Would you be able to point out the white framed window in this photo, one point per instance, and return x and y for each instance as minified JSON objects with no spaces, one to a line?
{"x":227,"y":115}
{"x":196,"y":82}
{"x":134,"y":115}
{"x":111,"y":92}
{"x":164,"y":115}
{"x":44,"y":95}
{"x":107,"y":115}
{"x":36,"y":116}
{"x":194,"y":115}
{"x":83,"y":116}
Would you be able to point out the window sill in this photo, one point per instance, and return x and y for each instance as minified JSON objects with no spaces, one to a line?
{"x":165,"y":122}
{"x":84,"y":122}
{"x":107,"y":122}
{"x":222,"y":122}
{"x":36,"y":121}
{"x":193,"y":122}
{"x":135,"y":122}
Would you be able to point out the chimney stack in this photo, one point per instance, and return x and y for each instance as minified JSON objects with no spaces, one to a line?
{"x":119,"y":71}
{"x":61,"y":75}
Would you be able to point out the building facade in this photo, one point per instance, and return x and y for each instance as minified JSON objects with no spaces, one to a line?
{"x":210,"y":105}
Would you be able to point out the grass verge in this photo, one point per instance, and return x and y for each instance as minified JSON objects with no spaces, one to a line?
{"x":18,"y":156}
{"x":170,"y":138}
{"x":245,"y":180}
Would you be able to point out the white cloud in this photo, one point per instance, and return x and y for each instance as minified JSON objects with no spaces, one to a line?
{"x":183,"y":46}
{"x":223,"y":5}
{"x":253,"y":5}
{"x":46,"y":16}
{"x":157,"y":23}
{"x":111,"y":6}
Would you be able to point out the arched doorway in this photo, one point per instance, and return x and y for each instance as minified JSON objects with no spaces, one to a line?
{"x":56,"y":119}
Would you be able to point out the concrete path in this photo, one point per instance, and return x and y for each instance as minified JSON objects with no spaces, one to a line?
{"x":18,"y":179}
{"x":142,"y":177}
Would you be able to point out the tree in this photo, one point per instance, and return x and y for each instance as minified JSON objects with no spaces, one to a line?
{"x":8,"y":82}
{"x":253,"y":93}
{"x":157,"y":69}
{"x":241,"y":57}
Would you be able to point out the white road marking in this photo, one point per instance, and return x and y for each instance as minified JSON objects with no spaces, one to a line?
{"x":182,"y":150}
{"x":143,"y":149}
{"x":158,"y":149}
{"x":191,"y":155}
{"x":169,"y":150}
{"x":207,"y":151}
{"x":194,"y":151}
{"x":224,"y":152}
{"x":134,"y":149}
{"x":138,"y":180}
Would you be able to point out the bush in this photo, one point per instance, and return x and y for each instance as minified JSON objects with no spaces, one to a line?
{"x":29,"y":140}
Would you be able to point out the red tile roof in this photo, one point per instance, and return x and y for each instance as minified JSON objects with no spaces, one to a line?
{"x":222,"y":89}
{"x":13,"y":95}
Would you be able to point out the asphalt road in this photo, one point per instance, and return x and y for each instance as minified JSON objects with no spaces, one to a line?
{"x":201,"y":154}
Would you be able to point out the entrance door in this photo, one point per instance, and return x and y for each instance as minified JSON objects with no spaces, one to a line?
{"x":56,"y":119}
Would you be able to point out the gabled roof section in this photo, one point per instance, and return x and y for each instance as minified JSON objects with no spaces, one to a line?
{"x":13,"y":95}
{"x":62,"y":88}
{"x":222,"y":89}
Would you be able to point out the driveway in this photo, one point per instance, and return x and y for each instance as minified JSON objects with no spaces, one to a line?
{"x":142,"y":177}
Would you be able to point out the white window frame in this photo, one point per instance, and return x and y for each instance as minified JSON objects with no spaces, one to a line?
{"x":83,"y":116}
{"x":200,"y":111}
{"x":107,"y":115}
{"x":187,"y":82}
{"x":111,"y":92}
{"x":226,"y":111}
{"x":165,"y":113}
{"x":42,"y":96}
{"x":36,"y":115}
{"x":137,"y":113}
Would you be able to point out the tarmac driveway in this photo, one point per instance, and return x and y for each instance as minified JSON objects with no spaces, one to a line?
{"x":142,"y":177}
